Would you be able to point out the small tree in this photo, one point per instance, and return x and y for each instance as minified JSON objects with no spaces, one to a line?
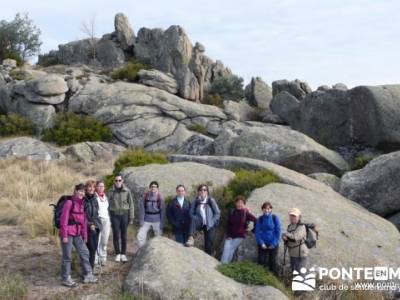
{"x":20,"y":36}
{"x":89,"y":29}
{"x":228,"y":87}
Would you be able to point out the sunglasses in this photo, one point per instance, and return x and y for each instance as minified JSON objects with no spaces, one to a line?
{"x":118,"y":180}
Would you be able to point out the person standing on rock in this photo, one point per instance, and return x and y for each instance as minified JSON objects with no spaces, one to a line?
{"x":151,"y":213}
{"x":104,"y":216}
{"x":93,"y":221}
{"x":73,"y":232}
{"x":204,"y":215}
{"x":268,"y":234}
{"x":236,"y":228}
{"x":294,"y":240}
{"x":121,"y":213}
{"x":178,"y":214}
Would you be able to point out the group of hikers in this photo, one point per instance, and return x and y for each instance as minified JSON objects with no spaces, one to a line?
{"x":86,"y":218}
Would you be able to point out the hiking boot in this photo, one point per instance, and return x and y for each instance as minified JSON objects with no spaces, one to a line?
{"x":124,"y":258}
{"x":118,"y":257}
{"x":89,"y":278}
{"x":68,"y":282}
{"x":190,"y":242}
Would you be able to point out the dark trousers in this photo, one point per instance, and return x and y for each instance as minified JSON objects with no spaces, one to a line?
{"x":92,"y":244}
{"x":181,"y":237}
{"x":119,"y":225}
{"x":268,"y":258}
{"x":296,"y":263}
{"x":196,"y":225}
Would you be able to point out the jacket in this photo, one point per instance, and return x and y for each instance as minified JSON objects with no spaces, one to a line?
{"x":152,"y":209}
{"x":268,"y":230}
{"x":179,"y":216}
{"x":120,"y":201}
{"x":237,"y":223}
{"x":297,"y":234}
{"x":92,"y":211}
{"x":213,"y":213}
{"x":77,"y":215}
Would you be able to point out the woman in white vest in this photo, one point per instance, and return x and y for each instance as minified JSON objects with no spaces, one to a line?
{"x":101,"y":256}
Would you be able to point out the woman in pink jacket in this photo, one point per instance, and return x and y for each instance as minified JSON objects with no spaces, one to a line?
{"x":73,"y":232}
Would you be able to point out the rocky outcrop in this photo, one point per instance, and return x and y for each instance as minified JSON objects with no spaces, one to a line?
{"x":297,"y":88}
{"x":341,"y":243}
{"x":281,"y":145}
{"x":376,"y":185}
{"x":30,"y":148}
{"x":158,"y":79}
{"x":198,"y":144}
{"x":258,"y":93}
{"x":328,"y":179}
{"x":124,"y":31}
{"x":283,"y":105}
{"x":240,"y":111}
{"x":88,"y":152}
{"x":163,"y":269}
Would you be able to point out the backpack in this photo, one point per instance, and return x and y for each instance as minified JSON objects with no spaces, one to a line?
{"x":58,"y":208}
{"x":312,"y":235}
{"x":146,"y":199}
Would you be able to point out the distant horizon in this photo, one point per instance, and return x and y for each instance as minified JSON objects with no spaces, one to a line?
{"x":320,"y":43}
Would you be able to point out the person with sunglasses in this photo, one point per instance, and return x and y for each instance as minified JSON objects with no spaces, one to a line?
{"x":205,"y":215}
{"x":151,"y":213}
{"x":121,"y":213}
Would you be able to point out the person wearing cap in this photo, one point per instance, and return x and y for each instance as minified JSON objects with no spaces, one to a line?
{"x":268,"y":233}
{"x":294,"y":240}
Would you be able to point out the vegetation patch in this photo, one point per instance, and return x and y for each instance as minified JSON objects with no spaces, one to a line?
{"x":12,"y":287}
{"x":129,"y":71}
{"x":15,"y":125}
{"x":70,"y":128}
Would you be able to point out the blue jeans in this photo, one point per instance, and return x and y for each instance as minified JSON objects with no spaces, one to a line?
{"x":181,"y":237}
{"x":230,"y":247}
{"x":83,"y":253}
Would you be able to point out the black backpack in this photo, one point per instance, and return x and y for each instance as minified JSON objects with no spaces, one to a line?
{"x":58,"y":208}
{"x":312,"y":235}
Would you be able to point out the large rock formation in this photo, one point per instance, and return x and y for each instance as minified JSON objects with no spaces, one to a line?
{"x":297,"y":88}
{"x":124,"y":31}
{"x":26,"y":147}
{"x":159,"y":80}
{"x":328,"y":179}
{"x":281,"y":145}
{"x":163,"y":269}
{"x":283,"y":105}
{"x":376,"y":186}
{"x":88,"y":152}
{"x":258,"y":93}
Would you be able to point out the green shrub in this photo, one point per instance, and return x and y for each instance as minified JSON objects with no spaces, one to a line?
{"x":228,"y":87}
{"x":129,"y":71}
{"x":18,"y":74}
{"x":198,"y":128}
{"x":12,"y":287}
{"x":16,"y":125}
{"x":16,"y":57}
{"x":48,"y":60}
{"x":70,"y":128}
{"x":361,"y":160}
{"x":213,"y":99}
{"x":251,"y":273}
{"x":134,"y":158}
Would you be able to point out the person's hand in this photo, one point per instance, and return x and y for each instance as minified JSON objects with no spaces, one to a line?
{"x":228,"y":238}
{"x":270,"y":247}
{"x":92,"y":227}
{"x":284,"y":237}
{"x":65,"y":240}
{"x":263,"y":246}
{"x":130,"y":222}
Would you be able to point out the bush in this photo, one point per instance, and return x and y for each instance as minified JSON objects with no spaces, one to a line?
{"x":228,"y":87}
{"x":12,"y":287}
{"x":48,"y":60}
{"x":251,"y":273}
{"x":16,"y":57}
{"x":129,"y":71}
{"x":213,"y":99}
{"x":70,"y":128}
{"x":361,"y":160}
{"x":134,"y":158}
{"x":18,"y":74}
{"x":198,"y":128}
{"x":13,"y":124}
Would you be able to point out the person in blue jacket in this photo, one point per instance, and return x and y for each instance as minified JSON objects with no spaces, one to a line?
{"x":178,"y":214}
{"x":268,"y":233}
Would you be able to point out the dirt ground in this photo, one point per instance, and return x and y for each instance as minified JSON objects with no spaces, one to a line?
{"x":38,"y":262}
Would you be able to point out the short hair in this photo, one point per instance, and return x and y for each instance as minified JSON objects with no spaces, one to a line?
{"x":79,"y":187}
{"x":266,"y":205}
{"x":119,"y":175}
{"x":180,"y":186}
{"x":153,"y":182}
{"x":240,"y":198}
{"x":90,"y":183}
{"x":99,"y":182}
{"x":201,"y":186}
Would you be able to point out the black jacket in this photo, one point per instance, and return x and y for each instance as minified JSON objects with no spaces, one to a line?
{"x":179,"y":216}
{"x":92,"y":211}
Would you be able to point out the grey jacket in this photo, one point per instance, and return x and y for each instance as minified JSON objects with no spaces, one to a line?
{"x":213,"y":213}
{"x":152,"y":209}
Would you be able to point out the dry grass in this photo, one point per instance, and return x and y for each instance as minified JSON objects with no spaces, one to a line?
{"x":28,"y":187}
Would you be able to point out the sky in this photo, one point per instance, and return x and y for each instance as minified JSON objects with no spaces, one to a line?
{"x":355,"y":42}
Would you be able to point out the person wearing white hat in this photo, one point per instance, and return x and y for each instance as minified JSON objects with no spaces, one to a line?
{"x":294,"y":240}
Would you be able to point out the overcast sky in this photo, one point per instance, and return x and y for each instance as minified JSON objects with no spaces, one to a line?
{"x":320,"y":41}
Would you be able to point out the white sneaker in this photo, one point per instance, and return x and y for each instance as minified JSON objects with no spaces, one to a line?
{"x":124,"y":258}
{"x":118,"y":257}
